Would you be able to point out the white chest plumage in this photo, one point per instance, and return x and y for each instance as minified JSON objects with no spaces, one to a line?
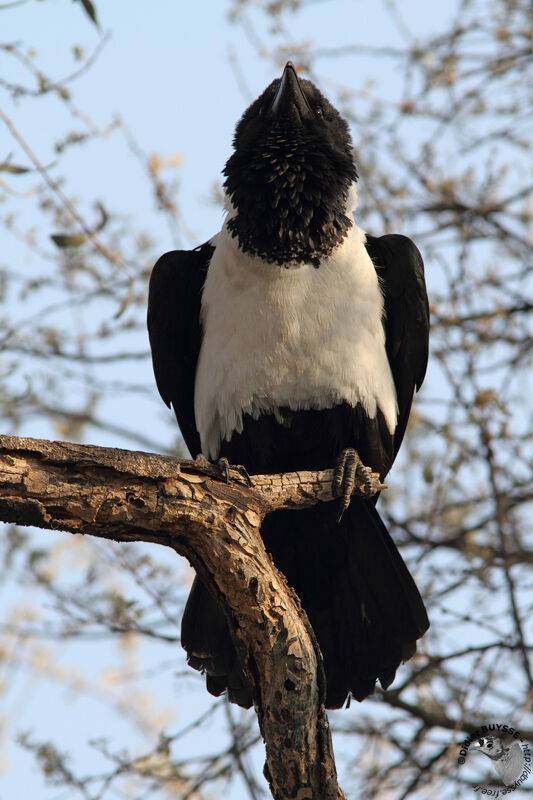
{"x":300,"y":338}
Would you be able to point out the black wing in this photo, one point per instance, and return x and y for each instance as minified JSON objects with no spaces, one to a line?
{"x":174,"y":300}
{"x":400,"y":269}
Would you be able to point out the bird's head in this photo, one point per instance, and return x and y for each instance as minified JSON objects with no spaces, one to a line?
{"x":489,"y":746}
{"x":290,"y":175}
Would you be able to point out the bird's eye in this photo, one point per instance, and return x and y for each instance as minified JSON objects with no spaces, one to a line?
{"x":319,"y":111}
{"x":489,"y":745}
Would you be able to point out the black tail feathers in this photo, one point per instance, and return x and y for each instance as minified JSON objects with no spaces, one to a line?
{"x":206,"y":639}
{"x":361,"y":600}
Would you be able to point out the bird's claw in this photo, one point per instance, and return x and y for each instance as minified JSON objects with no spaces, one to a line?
{"x":225,"y":468}
{"x":349,"y":467}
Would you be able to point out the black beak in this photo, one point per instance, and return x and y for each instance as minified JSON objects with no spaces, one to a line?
{"x":290,"y":96}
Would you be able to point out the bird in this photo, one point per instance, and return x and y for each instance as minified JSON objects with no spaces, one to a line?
{"x":293,"y":340}
{"x":508,"y":761}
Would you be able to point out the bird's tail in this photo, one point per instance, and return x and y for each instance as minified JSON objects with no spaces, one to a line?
{"x":361,"y":600}
{"x":206,"y":639}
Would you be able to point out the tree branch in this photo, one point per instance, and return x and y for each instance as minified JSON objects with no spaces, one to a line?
{"x":134,"y":496}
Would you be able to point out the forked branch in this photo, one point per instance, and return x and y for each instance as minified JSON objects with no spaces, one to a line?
{"x":133,"y":496}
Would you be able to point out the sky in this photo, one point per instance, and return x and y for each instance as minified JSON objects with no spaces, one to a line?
{"x":167,"y":70}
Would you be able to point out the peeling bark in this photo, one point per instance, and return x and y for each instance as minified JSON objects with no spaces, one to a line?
{"x":133,"y":496}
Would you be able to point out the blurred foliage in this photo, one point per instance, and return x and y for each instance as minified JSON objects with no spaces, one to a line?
{"x":442,"y":150}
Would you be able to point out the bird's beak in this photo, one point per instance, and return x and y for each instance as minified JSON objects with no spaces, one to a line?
{"x":290,"y":96}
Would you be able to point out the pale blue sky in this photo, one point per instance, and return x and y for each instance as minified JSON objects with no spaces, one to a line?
{"x":166,"y":71}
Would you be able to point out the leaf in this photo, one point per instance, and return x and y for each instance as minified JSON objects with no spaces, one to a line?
{"x":68,"y":240}
{"x":104,"y":217}
{"x":90,"y":11}
{"x":13,"y":168}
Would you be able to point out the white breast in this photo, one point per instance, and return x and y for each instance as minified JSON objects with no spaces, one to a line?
{"x":300,"y":337}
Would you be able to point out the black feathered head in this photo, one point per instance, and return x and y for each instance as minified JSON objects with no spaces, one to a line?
{"x":290,"y":174}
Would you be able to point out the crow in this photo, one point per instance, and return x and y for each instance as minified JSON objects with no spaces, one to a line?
{"x":293,"y":340}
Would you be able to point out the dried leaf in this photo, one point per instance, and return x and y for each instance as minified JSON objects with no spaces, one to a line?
{"x":14,"y":169}
{"x":68,"y":240}
{"x":104,"y":217}
{"x":126,"y":301}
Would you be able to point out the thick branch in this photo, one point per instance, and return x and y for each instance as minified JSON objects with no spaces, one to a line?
{"x":132,"y":496}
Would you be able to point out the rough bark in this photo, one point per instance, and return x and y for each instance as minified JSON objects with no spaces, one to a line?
{"x":133,"y":496}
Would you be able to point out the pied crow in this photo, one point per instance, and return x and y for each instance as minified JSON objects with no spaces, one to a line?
{"x":287,"y":338}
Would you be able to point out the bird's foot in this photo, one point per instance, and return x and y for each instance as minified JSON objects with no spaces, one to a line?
{"x":225,"y":468}
{"x":348,"y":469}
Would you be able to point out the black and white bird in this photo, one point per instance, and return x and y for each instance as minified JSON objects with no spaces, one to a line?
{"x":508,"y":760}
{"x":287,"y":338}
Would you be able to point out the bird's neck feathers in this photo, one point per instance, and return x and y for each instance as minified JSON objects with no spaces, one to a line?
{"x":288,"y":245}
{"x":292,"y":202}
{"x":352,"y":202}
